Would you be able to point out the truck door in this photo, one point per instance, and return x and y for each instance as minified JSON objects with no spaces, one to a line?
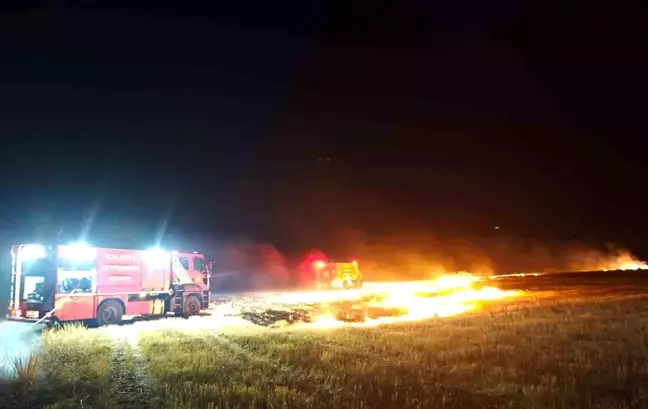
{"x":181,"y":269}
{"x":199,"y":270}
{"x":200,"y":275}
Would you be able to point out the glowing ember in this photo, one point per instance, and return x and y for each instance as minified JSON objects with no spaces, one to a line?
{"x":495,"y":277}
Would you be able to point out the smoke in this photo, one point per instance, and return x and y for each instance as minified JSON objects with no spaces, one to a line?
{"x":613,"y":258}
{"x":424,"y":256}
{"x":417,"y":256}
{"x":247,"y":265}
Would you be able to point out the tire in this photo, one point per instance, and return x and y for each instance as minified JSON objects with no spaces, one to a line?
{"x":109,"y":313}
{"x":358,"y":284}
{"x":345,"y":284}
{"x":191,"y":306}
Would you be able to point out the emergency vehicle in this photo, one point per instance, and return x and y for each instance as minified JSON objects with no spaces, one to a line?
{"x":335,"y":274}
{"x":77,"y":282}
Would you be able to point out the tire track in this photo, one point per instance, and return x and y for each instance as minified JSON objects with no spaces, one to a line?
{"x":130,"y":381}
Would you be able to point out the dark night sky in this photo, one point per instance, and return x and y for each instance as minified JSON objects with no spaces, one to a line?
{"x":455,"y":117}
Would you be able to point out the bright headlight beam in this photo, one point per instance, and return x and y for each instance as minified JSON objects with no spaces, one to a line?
{"x":156,"y":255}
{"x":80,"y":252}
{"x":33,"y":252}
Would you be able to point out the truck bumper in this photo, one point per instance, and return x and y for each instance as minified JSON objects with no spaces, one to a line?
{"x":27,"y":320}
{"x":14,"y":316}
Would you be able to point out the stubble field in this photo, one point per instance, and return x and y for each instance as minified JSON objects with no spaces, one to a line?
{"x":575,"y":341}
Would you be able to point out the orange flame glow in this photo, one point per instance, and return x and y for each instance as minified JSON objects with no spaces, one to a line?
{"x":622,"y":261}
{"x":448,"y":295}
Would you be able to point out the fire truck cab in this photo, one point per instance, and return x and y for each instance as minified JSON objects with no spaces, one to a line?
{"x":335,"y":274}
{"x":77,"y":282}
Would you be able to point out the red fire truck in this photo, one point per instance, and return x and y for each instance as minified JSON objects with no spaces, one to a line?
{"x":78,"y":282}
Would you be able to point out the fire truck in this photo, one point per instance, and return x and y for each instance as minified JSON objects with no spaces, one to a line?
{"x":335,"y":274}
{"x":77,"y":282}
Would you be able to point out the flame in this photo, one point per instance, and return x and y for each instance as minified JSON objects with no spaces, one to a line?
{"x":634,"y":266}
{"x":628,"y":265}
{"x":446,"y":296}
{"x":622,"y":261}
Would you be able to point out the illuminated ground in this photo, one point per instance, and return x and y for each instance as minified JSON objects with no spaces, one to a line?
{"x":574,"y":341}
{"x":375,"y":304}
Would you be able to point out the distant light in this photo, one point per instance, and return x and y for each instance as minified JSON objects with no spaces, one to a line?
{"x":319,"y":264}
{"x":496,"y":227}
{"x":355,"y":262}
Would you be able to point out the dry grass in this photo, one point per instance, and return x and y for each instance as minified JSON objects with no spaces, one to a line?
{"x":70,"y":371}
{"x":76,"y":366}
{"x":574,"y":353}
{"x":25,"y":368}
{"x":565,"y":352}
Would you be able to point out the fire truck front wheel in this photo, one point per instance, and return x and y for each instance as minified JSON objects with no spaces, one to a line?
{"x":109,"y":313}
{"x":191,"y":306}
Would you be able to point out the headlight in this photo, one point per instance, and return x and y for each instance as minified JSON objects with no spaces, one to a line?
{"x":33,"y":252}
{"x":156,"y":256}
{"x":78,"y":252}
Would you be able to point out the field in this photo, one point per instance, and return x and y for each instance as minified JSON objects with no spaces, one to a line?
{"x":575,"y":341}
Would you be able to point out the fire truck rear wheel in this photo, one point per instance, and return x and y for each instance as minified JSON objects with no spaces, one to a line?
{"x":109,"y":313}
{"x":191,"y":306}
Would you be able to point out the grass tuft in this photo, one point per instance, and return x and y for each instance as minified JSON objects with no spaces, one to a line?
{"x":25,"y":367}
